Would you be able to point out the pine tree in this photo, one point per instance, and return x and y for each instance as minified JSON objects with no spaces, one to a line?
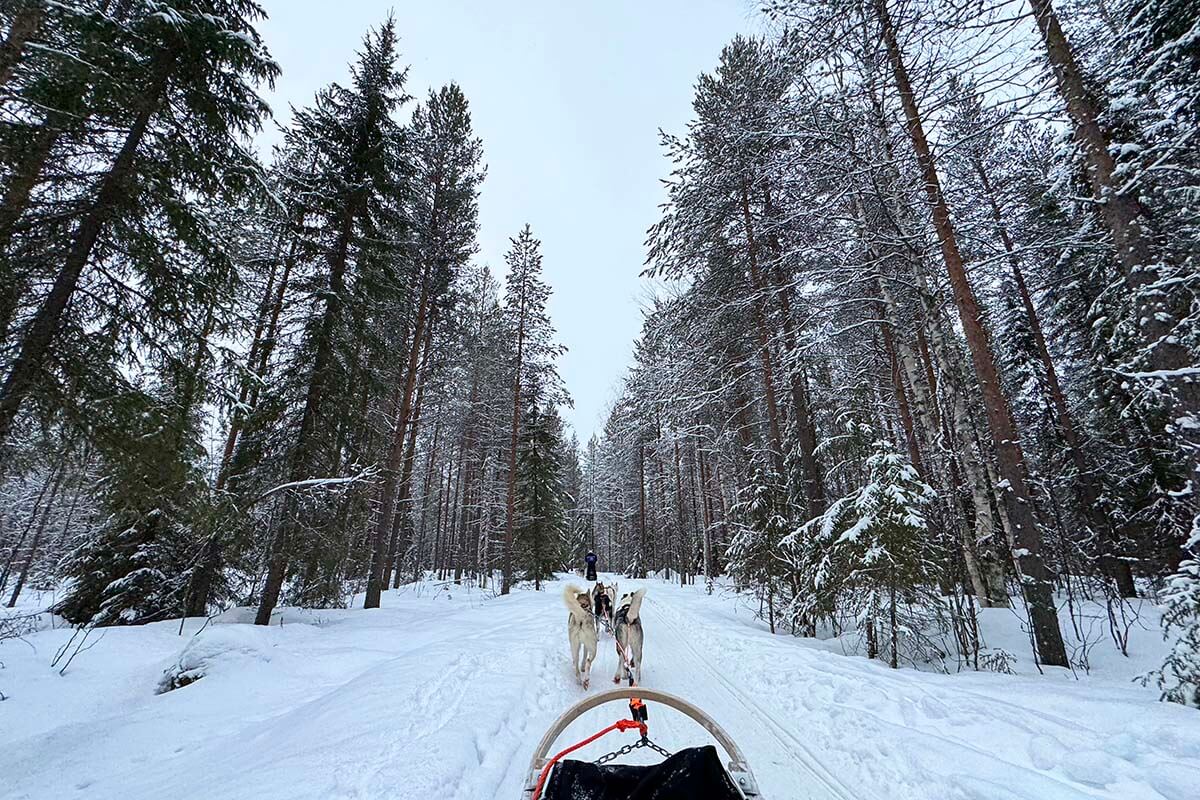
{"x":445,"y":157}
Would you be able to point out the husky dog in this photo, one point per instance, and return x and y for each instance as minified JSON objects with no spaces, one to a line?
{"x":627,"y":628}
{"x":603,"y":600}
{"x":581,"y":630}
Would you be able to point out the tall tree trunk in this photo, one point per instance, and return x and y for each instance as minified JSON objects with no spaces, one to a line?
{"x":402,"y":525}
{"x":709,"y":514}
{"x":510,"y":511}
{"x":1123,"y":214}
{"x":24,"y":27}
{"x":1087,"y":486}
{"x":990,"y":536}
{"x":402,"y":520}
{"x":36,"y":154}
{"x":467,"y":466}
{"x":1125,"y":217}
{"x":901,"y":395}
{"x":640,"y":571}
{"x":889,"y":312}
{"x":694,"y":499}
{"x":684,"y":540}
{"x":453,"y":516}
{"x":262,"y":340}
{"x":45,"y":324}
{"x":211,"y":554}
{"x":302,"y":458}
{"x":443,"y":519}
{"x":391,"y":475}
{"x":427,"y":489}
{"x":988,"y":587}
{"x":1036,"y":584}
{"x":805,"y":429}
{"x":764,"y":344}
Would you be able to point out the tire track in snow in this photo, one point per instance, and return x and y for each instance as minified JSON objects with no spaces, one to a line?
{"x":788,"y":742}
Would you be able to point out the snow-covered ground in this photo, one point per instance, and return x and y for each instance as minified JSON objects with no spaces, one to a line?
{"x":444,"y":693}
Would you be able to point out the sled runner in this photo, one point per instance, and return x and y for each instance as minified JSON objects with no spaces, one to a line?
{"x":694,"y":773}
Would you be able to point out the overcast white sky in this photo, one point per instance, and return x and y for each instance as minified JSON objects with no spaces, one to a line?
{"x":568,"y":97}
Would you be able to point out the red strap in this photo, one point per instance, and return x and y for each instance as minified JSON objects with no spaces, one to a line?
{"x":619,"y":725}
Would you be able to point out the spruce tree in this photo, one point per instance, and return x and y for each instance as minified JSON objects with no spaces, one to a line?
{"x":352,"y":197}
{"x":873,"y":552}
{"x":533,"y":354}
{"x":541,"y":527}
{"x":761,"y":524}
{"x":171,"y":138}
{"x":1179,"y":676}
{"x":155,"y":506}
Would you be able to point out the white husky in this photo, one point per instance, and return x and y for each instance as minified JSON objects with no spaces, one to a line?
{"x":581,"y":630}
{"x":627,"y":628}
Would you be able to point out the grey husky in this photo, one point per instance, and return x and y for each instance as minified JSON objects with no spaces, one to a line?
{"x":627,"y":628}
{"x":581,"y":631}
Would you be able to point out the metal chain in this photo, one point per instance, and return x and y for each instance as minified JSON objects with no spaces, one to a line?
{"x":629,"y":748}
{"x":656,"y":748}
{"x":624,"y":751}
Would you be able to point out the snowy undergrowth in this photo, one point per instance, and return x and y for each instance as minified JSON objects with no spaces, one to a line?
{"x":1005,"y":645}
{"x":444,"y":691}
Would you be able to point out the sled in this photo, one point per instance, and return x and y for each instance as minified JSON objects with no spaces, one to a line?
{"x":694,"y":772}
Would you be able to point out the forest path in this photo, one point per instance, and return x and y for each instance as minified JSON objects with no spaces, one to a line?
{"x":776,"y":751}
{"x":445,"y":692}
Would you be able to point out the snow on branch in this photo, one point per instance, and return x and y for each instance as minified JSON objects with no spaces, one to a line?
{"x":366,"y":476}
{"x":1163,"y":374}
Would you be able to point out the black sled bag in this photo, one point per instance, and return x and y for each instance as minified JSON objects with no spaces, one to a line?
{"x":695,"y":773}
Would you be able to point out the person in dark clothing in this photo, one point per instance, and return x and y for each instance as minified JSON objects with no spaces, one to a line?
{"x":590,"y":560}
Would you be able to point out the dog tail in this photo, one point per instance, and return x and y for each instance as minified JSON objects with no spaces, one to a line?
{"x":570,"y":594}
{"x":635,"y":605}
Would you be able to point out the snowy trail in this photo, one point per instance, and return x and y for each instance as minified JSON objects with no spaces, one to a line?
{"x":862,"y":730}
{"x":777,"y":750}
{"x":445,"y":693}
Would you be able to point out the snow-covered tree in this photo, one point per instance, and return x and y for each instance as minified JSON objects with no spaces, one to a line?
{"x":533,"y":365}
{"x":541,"y":514}
{"x":870,"y":555}
{"x":760,"y":523}
{"x":1179,"y":676}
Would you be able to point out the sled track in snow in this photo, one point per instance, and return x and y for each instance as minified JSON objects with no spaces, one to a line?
{"x":788,"y":741}
{"x":814,"y":766}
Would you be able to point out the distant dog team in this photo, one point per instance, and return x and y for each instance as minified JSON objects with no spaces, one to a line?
{"x":603,"y":600}
{"x":588,"y":612}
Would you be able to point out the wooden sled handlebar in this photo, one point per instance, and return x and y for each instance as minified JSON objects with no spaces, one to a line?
{"x":739,"y":770}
